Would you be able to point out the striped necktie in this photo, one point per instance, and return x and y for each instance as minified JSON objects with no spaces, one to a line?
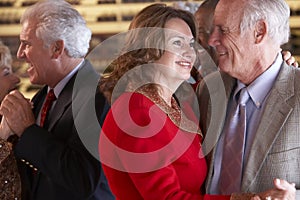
{"x":233,"y":149}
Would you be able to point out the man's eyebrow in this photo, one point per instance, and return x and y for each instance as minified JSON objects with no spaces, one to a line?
{"x":26,"y":42}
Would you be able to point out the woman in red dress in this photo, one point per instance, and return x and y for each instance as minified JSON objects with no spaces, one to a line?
{"x":150,"y":144}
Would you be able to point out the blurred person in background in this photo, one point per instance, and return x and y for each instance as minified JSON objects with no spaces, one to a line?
{"x":10,"y":183}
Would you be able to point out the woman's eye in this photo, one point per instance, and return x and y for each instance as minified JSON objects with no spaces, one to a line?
{"x":177,"y":43}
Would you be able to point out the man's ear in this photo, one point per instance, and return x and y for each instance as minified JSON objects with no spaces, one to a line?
{"x":260,"y":31}
{"x":57,"y":48}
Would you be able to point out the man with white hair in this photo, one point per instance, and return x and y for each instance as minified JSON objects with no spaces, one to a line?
{"x":257,"y":140}
{"x":54,"y":163}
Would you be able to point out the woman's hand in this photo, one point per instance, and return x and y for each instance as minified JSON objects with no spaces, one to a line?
{"x":289,"y":59}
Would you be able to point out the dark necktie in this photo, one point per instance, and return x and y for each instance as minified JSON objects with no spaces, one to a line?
{"x":233,"y":150}
{"x":50,"y":98}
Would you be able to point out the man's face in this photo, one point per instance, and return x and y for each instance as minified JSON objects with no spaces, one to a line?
{"x":233,"y":48}
{"x":204,"y":19}
{"x":35,"y":54}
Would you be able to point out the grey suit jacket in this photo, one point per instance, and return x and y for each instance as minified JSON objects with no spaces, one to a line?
{"x":276,"y":148}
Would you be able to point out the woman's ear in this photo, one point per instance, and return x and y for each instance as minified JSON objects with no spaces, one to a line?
{"x":57,"y":48}
{"x":260,"y":31}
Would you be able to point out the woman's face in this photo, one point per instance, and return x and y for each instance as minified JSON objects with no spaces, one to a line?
{"x":179,"y":55}
{"x":8,"y":81}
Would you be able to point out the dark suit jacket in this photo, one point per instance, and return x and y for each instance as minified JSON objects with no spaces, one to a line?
{"x":64,"y":152}
{"x":276,"y":147}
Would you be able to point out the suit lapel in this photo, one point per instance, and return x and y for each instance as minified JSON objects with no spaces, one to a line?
{"x":63,"y":101}
{"x":69,"y":93}
{"x":275,"y":114}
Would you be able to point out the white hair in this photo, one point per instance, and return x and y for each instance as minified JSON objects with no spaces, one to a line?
{"x":275,"y":12}
{"x":57,"y":20}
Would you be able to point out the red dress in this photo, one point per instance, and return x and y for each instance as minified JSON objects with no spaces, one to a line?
{"x":152,"y":151}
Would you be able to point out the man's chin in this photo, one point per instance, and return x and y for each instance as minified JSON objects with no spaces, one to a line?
{"x":34,"y":81}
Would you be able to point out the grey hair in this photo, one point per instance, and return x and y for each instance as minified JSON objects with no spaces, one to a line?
{"x":57,"y":20}
{"x":5,"y":56}
{"x":275,"y":12}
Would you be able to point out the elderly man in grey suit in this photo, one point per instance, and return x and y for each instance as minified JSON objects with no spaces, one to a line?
{"x":250,"y":110}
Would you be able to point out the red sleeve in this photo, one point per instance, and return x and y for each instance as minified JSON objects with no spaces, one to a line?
{"x":164,"y":184}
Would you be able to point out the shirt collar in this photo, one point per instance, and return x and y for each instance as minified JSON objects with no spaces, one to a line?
{"x":261,"y":86}
{"x":60,"y":86}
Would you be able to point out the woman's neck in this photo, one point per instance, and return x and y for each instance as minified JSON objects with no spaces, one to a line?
{"x":166,"y":94}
